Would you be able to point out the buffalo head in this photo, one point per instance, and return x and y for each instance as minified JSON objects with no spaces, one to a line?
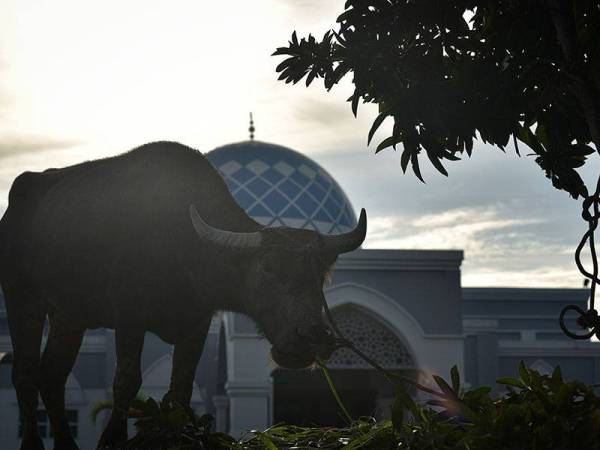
{"x":283,"y":284}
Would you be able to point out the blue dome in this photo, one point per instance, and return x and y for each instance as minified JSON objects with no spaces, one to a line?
{"x":278,"y":186}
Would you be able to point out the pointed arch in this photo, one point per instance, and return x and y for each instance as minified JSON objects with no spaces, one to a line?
{"x":372,"y":336}
{"x":397,"y":319}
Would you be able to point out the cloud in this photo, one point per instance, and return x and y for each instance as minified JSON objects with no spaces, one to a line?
{"x":13,"y":145}
{"x":546,"y":276}
{"x":499,"y":250}
{"x":311,"y":10}
{"x":466,"y":228}
{"x":329,"y":112}
{"x":6,"y":101}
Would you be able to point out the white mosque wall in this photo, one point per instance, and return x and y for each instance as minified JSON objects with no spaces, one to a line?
{"x":249,"y":384}
{"x":76,"y":399}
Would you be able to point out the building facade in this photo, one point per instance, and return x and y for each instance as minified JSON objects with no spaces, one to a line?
{"x":405,"y":308}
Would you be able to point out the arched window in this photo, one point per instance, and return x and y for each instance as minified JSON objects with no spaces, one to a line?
{"x":372,"y":337}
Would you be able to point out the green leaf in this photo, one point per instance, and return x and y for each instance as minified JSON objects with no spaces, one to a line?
{"x":266,"y":440}
{"x":479,"y":392}
{"x":524,"y":373}
{"x":557,"y":375}
{"x":406,"y":400}
{"x":327,"y":376}
{"x":404,"y":159}
{"x":466,"y":411}
{"x":542,"y":134}
{"x":415,"y":166}
{"x":397,"y":407}
{"x":469,"y":145}
{"x":376,"y":123}
{"x":177,"y":417}
{"x":387,"y":142}
{"x":362,"y":441}
{"x":455,"y":376}
{"x":581,"y":150}
{"x":337,"y":74}
{"x":354,"y":101}
{"x":437,"y":164}
{"x":444,"y":386}
{"x":152,"y":407}
{"x":526,"y":136}
{"x":509,"y":381}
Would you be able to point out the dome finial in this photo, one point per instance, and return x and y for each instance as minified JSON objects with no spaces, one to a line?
{"x":251,"y":129}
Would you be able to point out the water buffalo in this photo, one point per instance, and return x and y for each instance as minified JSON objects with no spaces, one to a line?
{"x":150,"y":240}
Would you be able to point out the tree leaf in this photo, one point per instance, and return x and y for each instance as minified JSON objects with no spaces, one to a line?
{"x":405,"y":158}
{"x":376,"y":123}
{"x":414,"y":159}
{"x":437,"y":164}
{"x":355,"y":97}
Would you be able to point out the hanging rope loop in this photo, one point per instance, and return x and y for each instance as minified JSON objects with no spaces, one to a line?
{"x":587,"y":319}
{"x":588,"y":202}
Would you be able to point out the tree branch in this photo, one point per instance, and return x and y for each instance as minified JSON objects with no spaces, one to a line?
{"x":583,"y":89}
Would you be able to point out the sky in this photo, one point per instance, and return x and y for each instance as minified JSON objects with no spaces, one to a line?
{"x":82,"y":80}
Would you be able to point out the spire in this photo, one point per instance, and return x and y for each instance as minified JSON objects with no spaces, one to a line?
{"x":251,"y":129}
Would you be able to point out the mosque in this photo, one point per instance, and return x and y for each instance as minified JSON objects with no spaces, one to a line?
{"x":405,"y":308}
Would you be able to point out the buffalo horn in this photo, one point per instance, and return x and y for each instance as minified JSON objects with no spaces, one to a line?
{"x":223,"y":238}
{"x":346,"y":242}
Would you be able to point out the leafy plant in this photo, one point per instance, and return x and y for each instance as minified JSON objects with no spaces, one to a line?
{"x":536,"y":411}
{"x":168,"y":425}
{"x":107,"y":404}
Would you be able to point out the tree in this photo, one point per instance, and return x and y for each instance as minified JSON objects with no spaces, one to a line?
{"x":448,"y":72}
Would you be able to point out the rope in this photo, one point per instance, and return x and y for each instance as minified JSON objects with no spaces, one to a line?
{"x":587,"y":319}
{"x":342,"y":342}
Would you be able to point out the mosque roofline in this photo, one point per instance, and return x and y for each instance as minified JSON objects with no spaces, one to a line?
{"x":536,"y":294}
{"x":400,"y":260}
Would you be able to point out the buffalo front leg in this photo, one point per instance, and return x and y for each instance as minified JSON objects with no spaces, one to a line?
{"x":127,"y":382}
{"x":26,"y":317}
{"x":186,"y":356}
{"x":59,"y":356}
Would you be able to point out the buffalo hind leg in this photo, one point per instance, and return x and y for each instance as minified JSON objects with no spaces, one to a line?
{"x":26,"y":316}
{"x":127,"y":382}
{"x":186,"y":356}
{"x":59,"y":356}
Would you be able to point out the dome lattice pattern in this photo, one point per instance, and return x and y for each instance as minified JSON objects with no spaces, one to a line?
{"x":371,"y":337}
{"x":280,"y":187}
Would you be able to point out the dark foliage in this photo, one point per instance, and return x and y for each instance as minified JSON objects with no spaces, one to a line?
{"x":447,"y":72}
{"x":535,"y":412}
{"x":169,"y":425}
